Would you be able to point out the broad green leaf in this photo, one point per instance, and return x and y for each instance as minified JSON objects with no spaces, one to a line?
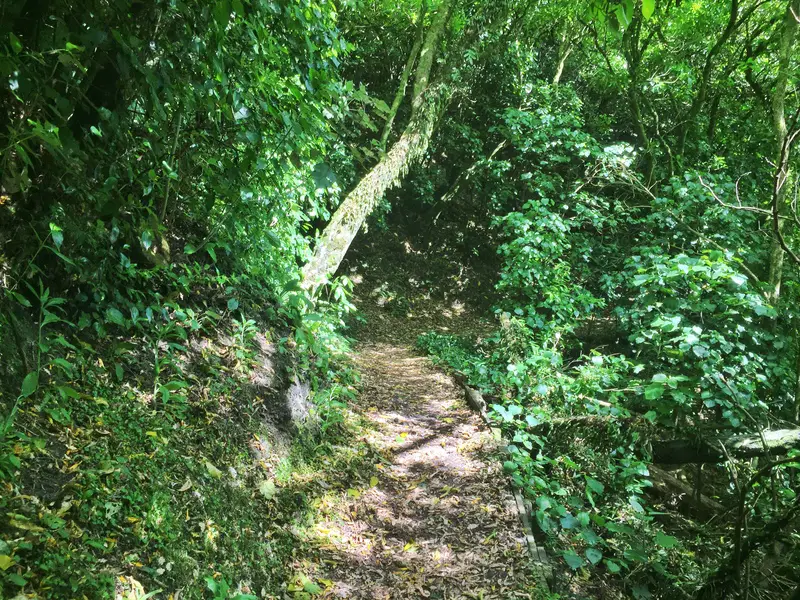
{"x":30,"y":383}
{"x":573,"y":560}
{"x":666,"y":541}
{"x":594,"y":555}
{"x":648,"y":8}
{"x":635,"y":504}
{"x":612,"y":566}
{"x":594,"y":485}
{"x":114,"y":316}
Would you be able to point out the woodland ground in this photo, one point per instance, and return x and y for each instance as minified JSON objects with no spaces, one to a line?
{"x":438,"y":520}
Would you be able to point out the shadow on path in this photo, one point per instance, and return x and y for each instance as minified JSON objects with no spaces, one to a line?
{"x":438,"y":521}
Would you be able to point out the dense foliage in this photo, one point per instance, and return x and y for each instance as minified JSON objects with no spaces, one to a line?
{"x":620,"y":173}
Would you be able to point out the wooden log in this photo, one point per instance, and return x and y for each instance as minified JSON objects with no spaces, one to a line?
{"x":678,"y":452}
{"x":774,"y":442}
{"x":670,"y":487}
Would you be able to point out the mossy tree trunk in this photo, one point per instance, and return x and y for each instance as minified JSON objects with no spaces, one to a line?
{"x":335,"y":240}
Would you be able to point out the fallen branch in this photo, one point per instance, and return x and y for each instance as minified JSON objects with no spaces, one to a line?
{"x":772,"y":442}
{"x":670,"y":487}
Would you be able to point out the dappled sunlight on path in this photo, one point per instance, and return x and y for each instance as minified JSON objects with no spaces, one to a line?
{"x":438,"y":521}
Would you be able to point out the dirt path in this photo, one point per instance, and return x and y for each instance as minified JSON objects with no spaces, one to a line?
{"x":438,"y":521}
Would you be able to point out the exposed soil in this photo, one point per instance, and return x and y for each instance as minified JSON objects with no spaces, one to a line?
{"x":439,"y":521}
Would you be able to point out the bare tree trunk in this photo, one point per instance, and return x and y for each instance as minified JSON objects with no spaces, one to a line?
{"x":401,"y":88}
{"x":779,"y":124}
{"x":360,"y":202}
{"x":564,"y":50}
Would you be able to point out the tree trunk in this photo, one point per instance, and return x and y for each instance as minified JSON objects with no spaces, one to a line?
{"x":685,"y":451}
{"x":360,"y":202}
{"x":401,"y":88}
{"x":779,"y":125}
{"x":678,"y":452}
{"x":705,"y":78}
{"x":564,"y":50}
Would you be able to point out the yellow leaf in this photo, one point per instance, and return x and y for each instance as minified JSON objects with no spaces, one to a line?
{"x":373,"y":481}
{"x":24,"y":525}
{"x":5,"y":561}
{"x":353,"y":493}
{"x":151,"y":433}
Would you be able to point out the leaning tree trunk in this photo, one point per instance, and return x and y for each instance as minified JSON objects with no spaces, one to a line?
{"x":360,"y":202}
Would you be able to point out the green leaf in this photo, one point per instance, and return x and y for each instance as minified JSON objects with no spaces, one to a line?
{"x":267,"y":489}
{"x":612,"y":566}
{"x":666,"y":541}
{"x":147,"y":239}
{"x":5,"y":562}
{"x":323,"y":176}
{"x":594,"y":485}
{"x":114,"y":316}
{"x":16,"y":44}
{"x":222,"y":12}
{"x":21,"y":299}
{"x":594,"y":555}
{"x":213,"y":471}
{"x":17,"y":579}
{"x":648,"y":8}
{"x":52,"y":521}
{"x":568,"y":522}
{"x":312,"y":588}
{"x":30,"y":383}
{"x":573,"y":560}
{"x":654,"y":391}
{"x":623,"y":17}
{"x":233,"y":304}
{"x":67,"y":392}
{"x":635,"y":504}
{"x":510,"y":466}
{"x":57,"y":234}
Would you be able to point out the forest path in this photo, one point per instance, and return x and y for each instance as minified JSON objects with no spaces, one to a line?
{"x":438,"y":521}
